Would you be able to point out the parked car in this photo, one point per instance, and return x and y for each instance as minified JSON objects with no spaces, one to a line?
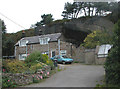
{"x":62,"y":59}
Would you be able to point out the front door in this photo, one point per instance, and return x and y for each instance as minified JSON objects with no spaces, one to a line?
{"x":53,"y":54}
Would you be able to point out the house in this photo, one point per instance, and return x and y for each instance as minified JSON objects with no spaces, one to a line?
{"x":50,"y":44}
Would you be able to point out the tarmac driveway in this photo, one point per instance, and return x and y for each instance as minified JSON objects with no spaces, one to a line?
{"x":75,"y":75}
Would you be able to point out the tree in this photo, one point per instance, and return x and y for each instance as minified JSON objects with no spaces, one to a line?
{"x":9,"y":47}
{"x":112,"y":64}
{"x":73,"y":10}
{"x":46,"y":19}
{"x":3,"y":37}
{"x":95,"y":38}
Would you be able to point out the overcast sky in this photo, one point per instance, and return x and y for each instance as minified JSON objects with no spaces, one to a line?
{"x":27,"y":12}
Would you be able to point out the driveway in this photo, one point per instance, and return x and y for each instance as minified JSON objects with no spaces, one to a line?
{"x":75,"y":75}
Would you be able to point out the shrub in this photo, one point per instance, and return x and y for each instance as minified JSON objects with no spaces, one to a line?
{"x":51,"y":64}
{"x":48,"y":61}
{"x":37,"y":57}
{"x":14,"y":66}
{"x":7,"y":83}
{"x":34,"y":58}
{"x":112,"y":64}
{"x":37,"y":66}
{"x":95,"y":38}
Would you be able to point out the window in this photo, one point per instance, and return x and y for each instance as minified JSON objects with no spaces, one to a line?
{"x":44,"y":40}
{"x":22,"y":56}
{"x":63,"y":52}
{"x":23,"y":43}
{"x":103,"y":50}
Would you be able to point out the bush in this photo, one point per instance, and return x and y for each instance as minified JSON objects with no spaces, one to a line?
{"x":112,"y":64}
{"x":48,"y":61}
{"x":14,"y":66}
{"x":7,"y":83}
{"x":37,"y":57}
{"x":95,"y":38}
{"x":34,"y":58}
{"x":37,"y":66}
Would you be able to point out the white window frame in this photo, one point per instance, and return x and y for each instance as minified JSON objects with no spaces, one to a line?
{"x":22,"y":56}
{"x":63,"y":52}
{"x":23,"y":41}
{"x":103,"y":51}
{"x":44,"y":41}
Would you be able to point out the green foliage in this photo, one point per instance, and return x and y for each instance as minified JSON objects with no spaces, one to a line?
{"x":9,"y":40}
{"x":73,"y":10}
{"x":115,"y":15}
{"x":95,"y":38}
{"x":37,"y":57}
{"x":112,"y":64}
{"x":46,"y":19}
{"x":37,"y":66}
{"x":7,"y":83}
{"x":14,"y":66}
{"x":76,"y":62}
{"x":34,"y":58}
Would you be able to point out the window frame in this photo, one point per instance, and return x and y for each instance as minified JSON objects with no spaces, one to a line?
{"x":23,"y":41}
{"x":22,"y":56}
{"x":44,"y":41}
{"x":63,"y":51}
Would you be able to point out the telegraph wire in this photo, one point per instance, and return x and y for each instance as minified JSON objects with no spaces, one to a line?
{"x":12,"y":20}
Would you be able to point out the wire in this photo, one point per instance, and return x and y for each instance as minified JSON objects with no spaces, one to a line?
{"x":11,"y":20}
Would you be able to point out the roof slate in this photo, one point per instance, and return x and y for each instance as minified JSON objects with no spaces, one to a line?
{"x":35,"y":39}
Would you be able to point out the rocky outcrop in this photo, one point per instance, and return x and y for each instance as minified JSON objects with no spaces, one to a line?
{"x":75,"y":30}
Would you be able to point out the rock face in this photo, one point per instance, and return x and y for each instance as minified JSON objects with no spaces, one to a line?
{"x":76,"y":30}
{"x":90,"y":24}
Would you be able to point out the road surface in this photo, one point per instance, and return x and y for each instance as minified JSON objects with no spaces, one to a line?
{"x":75,"y":75}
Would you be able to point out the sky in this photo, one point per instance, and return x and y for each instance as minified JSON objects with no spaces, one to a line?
{"x":28,"y":12}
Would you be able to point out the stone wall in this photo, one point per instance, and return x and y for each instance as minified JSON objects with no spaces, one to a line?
{"x":79,"y":54}
{"x":100,"y":60}
{"x":88,"y":56}
{"x":26,"y":78}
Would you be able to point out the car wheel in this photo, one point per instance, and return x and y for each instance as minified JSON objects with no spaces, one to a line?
{"x":63,"y":62}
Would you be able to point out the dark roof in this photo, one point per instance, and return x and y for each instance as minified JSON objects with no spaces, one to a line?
{"x":35,"y":39}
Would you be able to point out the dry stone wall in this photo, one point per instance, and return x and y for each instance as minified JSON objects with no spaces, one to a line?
{"x":27,"y":78}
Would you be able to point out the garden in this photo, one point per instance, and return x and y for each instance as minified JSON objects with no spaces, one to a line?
{"x":35,"y":68}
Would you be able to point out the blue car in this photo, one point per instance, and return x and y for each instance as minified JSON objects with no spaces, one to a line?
{"x":62,"y":59}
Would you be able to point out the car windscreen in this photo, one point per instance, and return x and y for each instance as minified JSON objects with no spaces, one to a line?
{"x":64,"y":56}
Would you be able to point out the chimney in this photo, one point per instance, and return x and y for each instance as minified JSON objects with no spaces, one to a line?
{"x":40,"y":32}
{"x":23,"y":34}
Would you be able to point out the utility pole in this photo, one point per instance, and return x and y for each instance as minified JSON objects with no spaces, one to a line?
{"x":0,"y":39}
{"x":1,"y":53}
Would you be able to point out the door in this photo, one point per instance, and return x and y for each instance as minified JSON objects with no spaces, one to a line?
{"x":52,"y":53}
